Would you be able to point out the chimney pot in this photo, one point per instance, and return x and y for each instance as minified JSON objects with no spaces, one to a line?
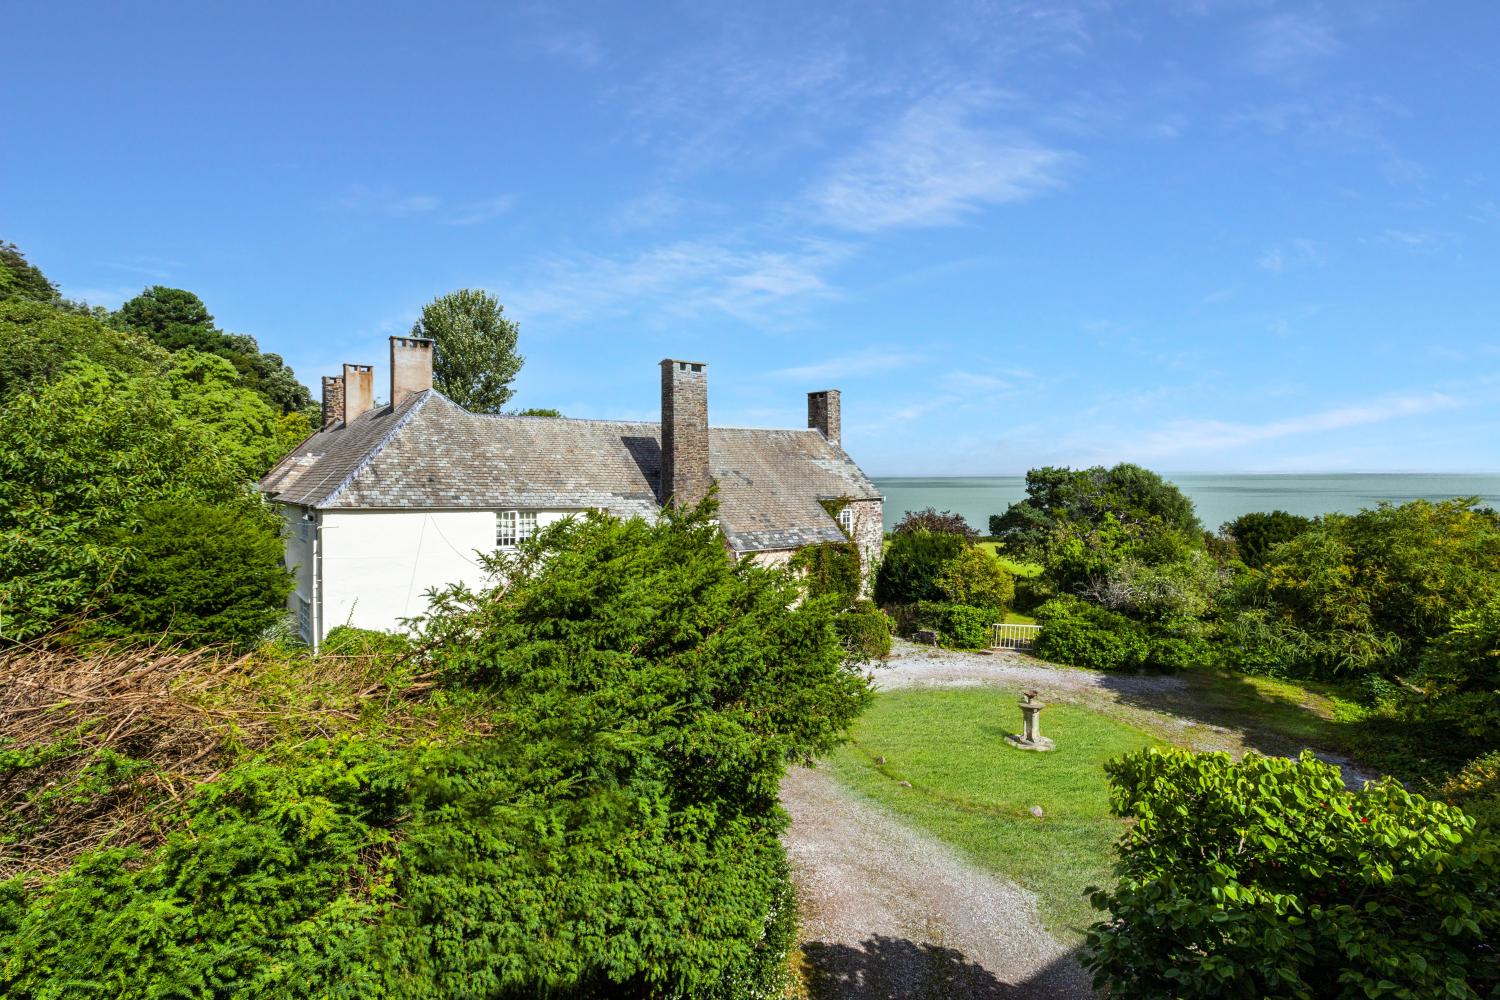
{"x":823,"y":414}
{"x":411,"y":367}
{"x":359,"y":391}
{"x":685,"y":473}
{"x":333,"y":400}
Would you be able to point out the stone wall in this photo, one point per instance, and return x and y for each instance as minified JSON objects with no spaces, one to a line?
{"x":685,"y":476}
{"x":869,"y":535}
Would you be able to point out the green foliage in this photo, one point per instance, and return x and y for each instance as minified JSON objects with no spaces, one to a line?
{"x":829,"y":569}
{"x":79,"y":460}
{"x":946,"y":523}
{"x":198,"y":574}
{"x":865,"y":632}
{"x":1257,"y":533}
{"x":613,"y":831}
{"x":912,"y":565}
{"x":250,"y":435}
{"x":1267,"y":878}
{"x":540,"y":411}
{"x":40,"y":340}
{"x":1370,"y":591}
{"x":1475,"y":789}
{"x":1085,"y":635}
{"x":975,"y":577}
{"x":958,"y":625}
{"x":179,"y":321}
{"x":21,"y":279}
{"x":1135,"y":501}
{"x":475,"y":348}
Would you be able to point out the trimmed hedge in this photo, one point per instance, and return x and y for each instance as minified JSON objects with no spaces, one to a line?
{"x":865,"y":632}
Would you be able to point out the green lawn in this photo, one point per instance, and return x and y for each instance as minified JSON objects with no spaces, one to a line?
{"x":1017,"y":568}
{"x":973,"y":791}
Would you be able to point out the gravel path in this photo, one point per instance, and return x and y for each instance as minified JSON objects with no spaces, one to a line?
{"x":890,"y":912}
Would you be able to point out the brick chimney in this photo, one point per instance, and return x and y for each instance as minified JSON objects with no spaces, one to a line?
{"x":359,"y":391}
{"x":411,"y":367}
{"x":823,"y":413}
{"x":685,"y":476}
{"x":333,"y":400}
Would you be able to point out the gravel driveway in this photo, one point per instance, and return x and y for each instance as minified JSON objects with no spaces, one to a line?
{"x":889,"y":912}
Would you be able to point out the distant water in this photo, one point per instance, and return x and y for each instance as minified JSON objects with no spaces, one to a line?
{"x":1218,"y":498}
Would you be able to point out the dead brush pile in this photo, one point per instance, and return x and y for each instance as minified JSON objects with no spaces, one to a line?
{"x":97,"y":750}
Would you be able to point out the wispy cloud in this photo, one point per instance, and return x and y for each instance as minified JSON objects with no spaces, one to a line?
{"x":1287,"y":43}
{"x":935,"y":166}
{"x":1192,"y":437}
{"x":475,"y":212}
{"x":385,"y":201}
{"x":388,"y":203}
{"x":684,"y":278}
{"x":1291,"y":255}
{"x":1420,"y":240}
{"x":867,"y":362}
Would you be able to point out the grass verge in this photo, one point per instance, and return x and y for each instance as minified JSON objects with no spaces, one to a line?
{"x":974,"y":792}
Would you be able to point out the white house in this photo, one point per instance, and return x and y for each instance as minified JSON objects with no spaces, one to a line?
{"x":385,"y":502}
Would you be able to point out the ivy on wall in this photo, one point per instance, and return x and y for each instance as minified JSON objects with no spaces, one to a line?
{"x":830,"y":568}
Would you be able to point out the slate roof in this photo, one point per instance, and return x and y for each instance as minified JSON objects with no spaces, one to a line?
{"x":431,"y":453}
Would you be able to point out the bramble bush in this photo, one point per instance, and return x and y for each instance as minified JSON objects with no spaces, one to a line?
{"x":1268,"y":878}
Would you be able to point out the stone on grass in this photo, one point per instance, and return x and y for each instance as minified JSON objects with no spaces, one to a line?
{"x":1036,"y":811}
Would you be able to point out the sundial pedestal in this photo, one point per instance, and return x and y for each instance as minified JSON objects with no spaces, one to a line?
{"x":1031,"y":737}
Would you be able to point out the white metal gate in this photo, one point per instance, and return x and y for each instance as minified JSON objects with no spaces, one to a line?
{"x":1007,"y":636}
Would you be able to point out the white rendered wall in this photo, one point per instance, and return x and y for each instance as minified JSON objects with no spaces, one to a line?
{"x":299,"y":555}
{"x":378,"y":565}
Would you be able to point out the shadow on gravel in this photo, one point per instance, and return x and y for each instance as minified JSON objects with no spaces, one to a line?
{"x":886,"y":968}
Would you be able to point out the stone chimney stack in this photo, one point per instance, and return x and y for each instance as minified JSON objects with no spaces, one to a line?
{"x":333,"y":400}
{"x":685,"y":476}
{"x":823,"y":414}
{"x":411,"y":367}
{"x":359,"y":391}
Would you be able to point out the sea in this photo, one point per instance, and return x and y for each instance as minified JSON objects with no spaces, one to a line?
{"x":1218,"y":497}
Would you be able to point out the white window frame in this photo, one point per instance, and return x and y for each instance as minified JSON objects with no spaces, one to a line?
{"x":512,"y":527}
{"x":846,"y":520}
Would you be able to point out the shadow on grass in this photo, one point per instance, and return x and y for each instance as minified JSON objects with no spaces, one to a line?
{"x":1283,"y":724}
{"x":887,"y":968}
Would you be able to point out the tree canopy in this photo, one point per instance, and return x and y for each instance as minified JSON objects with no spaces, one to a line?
{"x":22,"y":279}
{"x":475,"y":347}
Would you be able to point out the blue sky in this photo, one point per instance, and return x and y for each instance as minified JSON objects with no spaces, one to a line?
{"x":1199,"y":235}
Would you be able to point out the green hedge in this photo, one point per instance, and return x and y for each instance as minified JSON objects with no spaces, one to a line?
{"x":1085,"y":635}
{"x":865,"y":631}
{"x":1268,"y":878}
{"x":960,"y":626}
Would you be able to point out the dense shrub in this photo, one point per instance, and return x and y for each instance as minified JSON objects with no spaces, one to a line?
{"x":1257,"y":533}
{"x":612,"y":831}
{"x":1475,"y":789}
{"x":197,"y":573}
{"x":1370,"y":591}
{"x":975,"y":577}
{"x":911,"y":567}
{"x":1085,"y":635}
{"x":960,"y":626}
{"x":1267,"y":878}
{"x":945,"y":523}
{"x":829,"y":569}
{"x":1171,"y":653}
{"x":865,"y":631}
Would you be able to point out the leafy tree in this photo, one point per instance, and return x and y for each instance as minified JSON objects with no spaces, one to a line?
{"x":975,"y":577}
{"x":540,"y":411}
{"x":197,"y":573}
{"x":1369,"y":591}
{"x":159,"y":310}
{"x":1269,"y":878}
{"x":22,"y":279}
{"x":1256,"y":534}
{"x":946,"y":523}
{"x":250,"y":434}
{"x":912,"y":565}
{"x":1140,"y":503}
{"x":475,"y":347}
{"x":79,"y":459}
{"x":40,"y":340}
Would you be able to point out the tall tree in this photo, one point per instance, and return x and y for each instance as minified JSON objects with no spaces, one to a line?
{"x":476,"y":358}
{"x":21,"y":278}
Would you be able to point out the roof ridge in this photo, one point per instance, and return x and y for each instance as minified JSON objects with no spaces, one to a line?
{"x":371,"y":455}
